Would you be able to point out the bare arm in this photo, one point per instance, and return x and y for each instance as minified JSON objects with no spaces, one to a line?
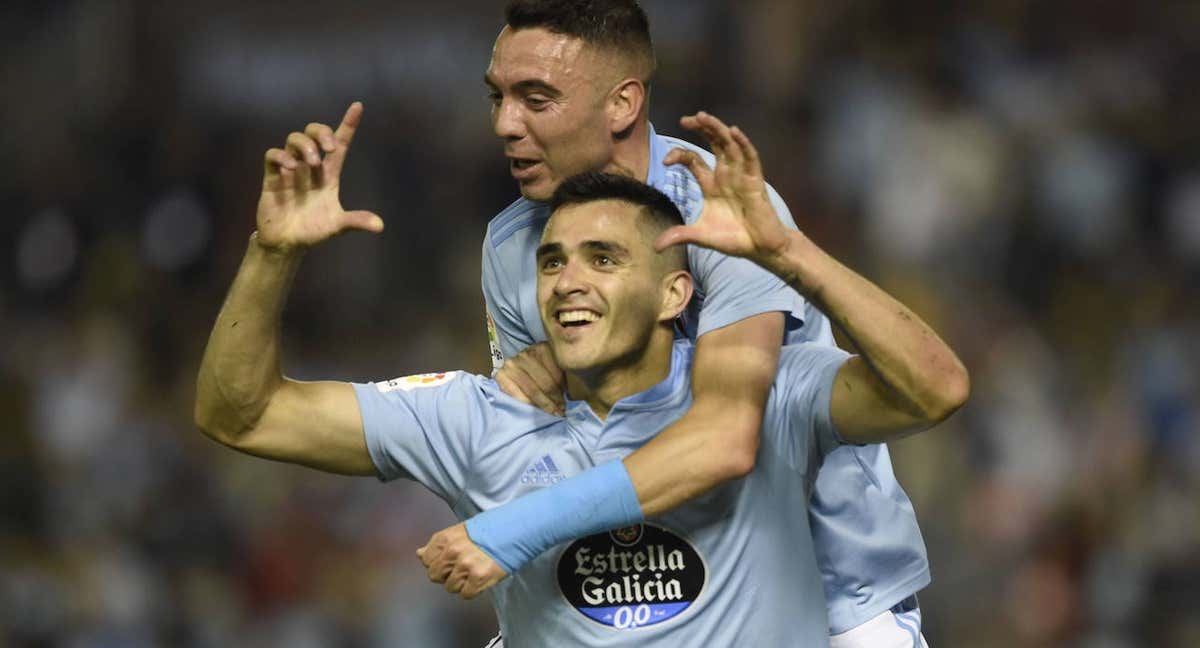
{"x":242,"y":398}
{"x":717,"y":439}
{"x":907,"y":379}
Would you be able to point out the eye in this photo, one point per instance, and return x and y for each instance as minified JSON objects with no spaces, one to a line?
{"x":494,"y":97}
{"x":604,"y":260}
{"x":551,"y":263}
{"x":536,"y":102}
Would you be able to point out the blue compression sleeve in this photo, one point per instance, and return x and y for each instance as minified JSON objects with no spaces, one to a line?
{"x":595,"y":500}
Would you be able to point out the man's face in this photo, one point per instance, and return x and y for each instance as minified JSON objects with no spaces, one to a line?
{"x":549,"y":95}
{"x":600,"y":287}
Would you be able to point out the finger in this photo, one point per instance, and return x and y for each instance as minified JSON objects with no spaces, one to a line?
{"x":696,"y":164}
{"x":675,"y":236}
{"x":322,"y":134}
{"x":275,"y":158}
{"x":689,"y":122}
{"x":720,"y":138}
{"x":753,"y":164}
{"x":305,"y":148}
{"x":456,"y":580}
{"x":279,"y":170}
{"x":438,"y":571}
{"x":545,"y":357}
{"x":545,"y":381}
{"x":517,"y":383}
{"x":362,"y":220}
{"x":510,"y":387}
{"x":342,"y":138}
{"x":346,"y":129}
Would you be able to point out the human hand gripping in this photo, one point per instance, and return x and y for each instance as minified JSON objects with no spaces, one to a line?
{"x":533,"y":377}
{"x":452,"y":559}
{"x":738,"y":218}
{"x":299,"y":206}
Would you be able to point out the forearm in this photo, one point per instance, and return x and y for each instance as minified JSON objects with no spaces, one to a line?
{"x":921,"y":370}
{"x":707,"y":447}
{"x":240,"y":370}
{"x":717,"y":440}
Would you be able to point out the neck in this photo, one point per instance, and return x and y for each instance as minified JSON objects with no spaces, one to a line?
{"x":602,"y":387}
{"x":631,"y":154}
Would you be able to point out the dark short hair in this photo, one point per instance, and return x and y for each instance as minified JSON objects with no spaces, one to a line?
{"x":658,"y":212}
{"x":619,"y":25}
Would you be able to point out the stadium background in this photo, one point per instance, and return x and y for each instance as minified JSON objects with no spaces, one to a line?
{"x":1025,"y":174}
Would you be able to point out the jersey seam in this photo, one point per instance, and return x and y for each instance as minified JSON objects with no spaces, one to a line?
{"x":520,"y":220}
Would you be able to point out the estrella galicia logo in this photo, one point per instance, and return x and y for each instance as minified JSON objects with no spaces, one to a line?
{"x":631,"y":577}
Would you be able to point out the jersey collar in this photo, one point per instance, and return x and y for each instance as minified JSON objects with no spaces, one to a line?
{"x":659,"y":147}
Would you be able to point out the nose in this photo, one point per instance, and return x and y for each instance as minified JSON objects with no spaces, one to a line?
{"x":506,"y":120}
{"x":569,"y":280}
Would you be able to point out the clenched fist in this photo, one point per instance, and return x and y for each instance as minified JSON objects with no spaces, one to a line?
{"x":462,"y":567}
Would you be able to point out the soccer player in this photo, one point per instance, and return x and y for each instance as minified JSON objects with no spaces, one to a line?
{"x":569,"y":82}
{"x":724,"y":570}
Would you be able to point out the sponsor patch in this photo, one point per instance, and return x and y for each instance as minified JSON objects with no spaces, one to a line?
{"x":631,"y":577}
{"x":494,"y":344}
{"x":409,"y":383}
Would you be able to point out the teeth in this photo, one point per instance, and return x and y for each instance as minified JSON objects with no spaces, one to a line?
{"x":568,"y":317}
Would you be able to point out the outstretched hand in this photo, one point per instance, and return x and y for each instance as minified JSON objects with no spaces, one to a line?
{"x":299,"y":206}
{"x":452,"y":559}
{"x":737,"y":218}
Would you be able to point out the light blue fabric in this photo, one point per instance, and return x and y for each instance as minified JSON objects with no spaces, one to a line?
{"x":868,"y":543}
{"x":595,"y":500}
{"x":752,"y":571}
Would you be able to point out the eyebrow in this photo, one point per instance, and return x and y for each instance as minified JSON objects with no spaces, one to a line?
{"x":526,"y":86}
{"x":548,"y":248}
{"x":617,"y":249}
{"x":606,"y":246}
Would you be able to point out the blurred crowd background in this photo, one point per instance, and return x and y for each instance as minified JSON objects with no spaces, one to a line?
{"x":1025,"y":174}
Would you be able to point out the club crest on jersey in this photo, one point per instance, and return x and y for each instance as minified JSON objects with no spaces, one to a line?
{"x":631,"y":577}
{"x":409,"y":383}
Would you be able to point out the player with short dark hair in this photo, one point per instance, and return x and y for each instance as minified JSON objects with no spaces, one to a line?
{"x":725,"y":570}
{"x":658,"y":210}
{"x":569,"y":88}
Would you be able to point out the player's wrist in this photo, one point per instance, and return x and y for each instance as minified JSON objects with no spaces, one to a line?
{"x":796,"y":261}
{"x":276,"y":249}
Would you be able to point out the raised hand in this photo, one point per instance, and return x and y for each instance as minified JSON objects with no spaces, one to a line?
{"x":737,"y":218}
{"x":299,"y":206}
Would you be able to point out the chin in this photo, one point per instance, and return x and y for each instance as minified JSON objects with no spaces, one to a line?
{"x":540,"y":190}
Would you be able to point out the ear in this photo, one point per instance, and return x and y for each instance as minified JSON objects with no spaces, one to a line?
{"x":625,"y":104}
{"x":676,"y":293}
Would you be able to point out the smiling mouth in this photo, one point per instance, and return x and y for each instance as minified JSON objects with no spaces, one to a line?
{"x":576,"y":318}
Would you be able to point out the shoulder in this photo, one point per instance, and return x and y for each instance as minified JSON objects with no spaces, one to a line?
{"x":675,"y":142}
{"x":678,"y":183}
{"x":522,"y":214}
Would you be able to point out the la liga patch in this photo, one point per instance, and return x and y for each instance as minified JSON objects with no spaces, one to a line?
{"x":417,"y":381}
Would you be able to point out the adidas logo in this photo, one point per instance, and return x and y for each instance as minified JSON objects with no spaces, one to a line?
{"x":543,"y":472}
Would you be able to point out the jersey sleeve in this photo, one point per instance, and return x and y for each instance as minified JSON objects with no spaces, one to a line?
{"x":800,"y":401}
{"x":735,"y":289}
{"x":422,"y":428}
{"x":500,"y":286}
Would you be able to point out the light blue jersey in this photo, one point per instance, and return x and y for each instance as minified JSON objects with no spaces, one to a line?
{"x":725,"y":569}
{"x":868,"y":543}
